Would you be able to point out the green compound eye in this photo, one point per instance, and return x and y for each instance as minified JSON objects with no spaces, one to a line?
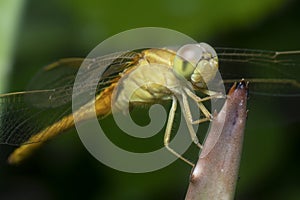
{"x":197,"y":63}
{"x":186,"y":60}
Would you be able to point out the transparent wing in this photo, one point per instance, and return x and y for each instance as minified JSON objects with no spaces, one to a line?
{"x":48,"y":97}
{"x":269,"y":72}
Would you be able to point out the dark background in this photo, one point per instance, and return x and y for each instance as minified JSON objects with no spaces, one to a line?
{"x":63,"y":169}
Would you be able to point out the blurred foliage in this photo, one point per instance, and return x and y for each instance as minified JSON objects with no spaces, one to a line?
{"x":63,"y":169}
{"x":10,"y":14}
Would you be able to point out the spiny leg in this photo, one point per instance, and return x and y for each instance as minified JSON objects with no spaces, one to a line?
{"x":201,"y":106}
{"x":188,"y":115}
{"x":211,"y":94}
{"x":169,"y":129}
{"x":189,"y":121}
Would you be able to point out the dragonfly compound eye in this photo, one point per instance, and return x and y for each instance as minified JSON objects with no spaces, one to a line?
{"x":207,"y":49}
{"x":196,"y":62}
{"x":186,"y":60}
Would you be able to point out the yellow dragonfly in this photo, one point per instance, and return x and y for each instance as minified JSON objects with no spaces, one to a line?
{"x":31,"y":117}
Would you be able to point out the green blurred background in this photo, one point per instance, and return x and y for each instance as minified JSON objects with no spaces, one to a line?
{"x":63,"y":169}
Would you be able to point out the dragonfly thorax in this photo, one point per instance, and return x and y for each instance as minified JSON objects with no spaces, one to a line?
{"x":197,"y":63}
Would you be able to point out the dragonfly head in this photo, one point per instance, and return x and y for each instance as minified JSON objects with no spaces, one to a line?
{"x":197,"y":63}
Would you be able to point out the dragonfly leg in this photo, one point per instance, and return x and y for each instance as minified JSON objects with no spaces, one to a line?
{"x":201,"y":106}
{"x":189,"y":120}
{"x":168,"y":132}
{"x":211,"y":94}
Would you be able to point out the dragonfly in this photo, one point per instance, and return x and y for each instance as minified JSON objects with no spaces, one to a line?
{"x":43,"y":111}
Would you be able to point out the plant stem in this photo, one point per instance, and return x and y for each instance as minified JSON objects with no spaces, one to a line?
{"x":215,"y":174}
